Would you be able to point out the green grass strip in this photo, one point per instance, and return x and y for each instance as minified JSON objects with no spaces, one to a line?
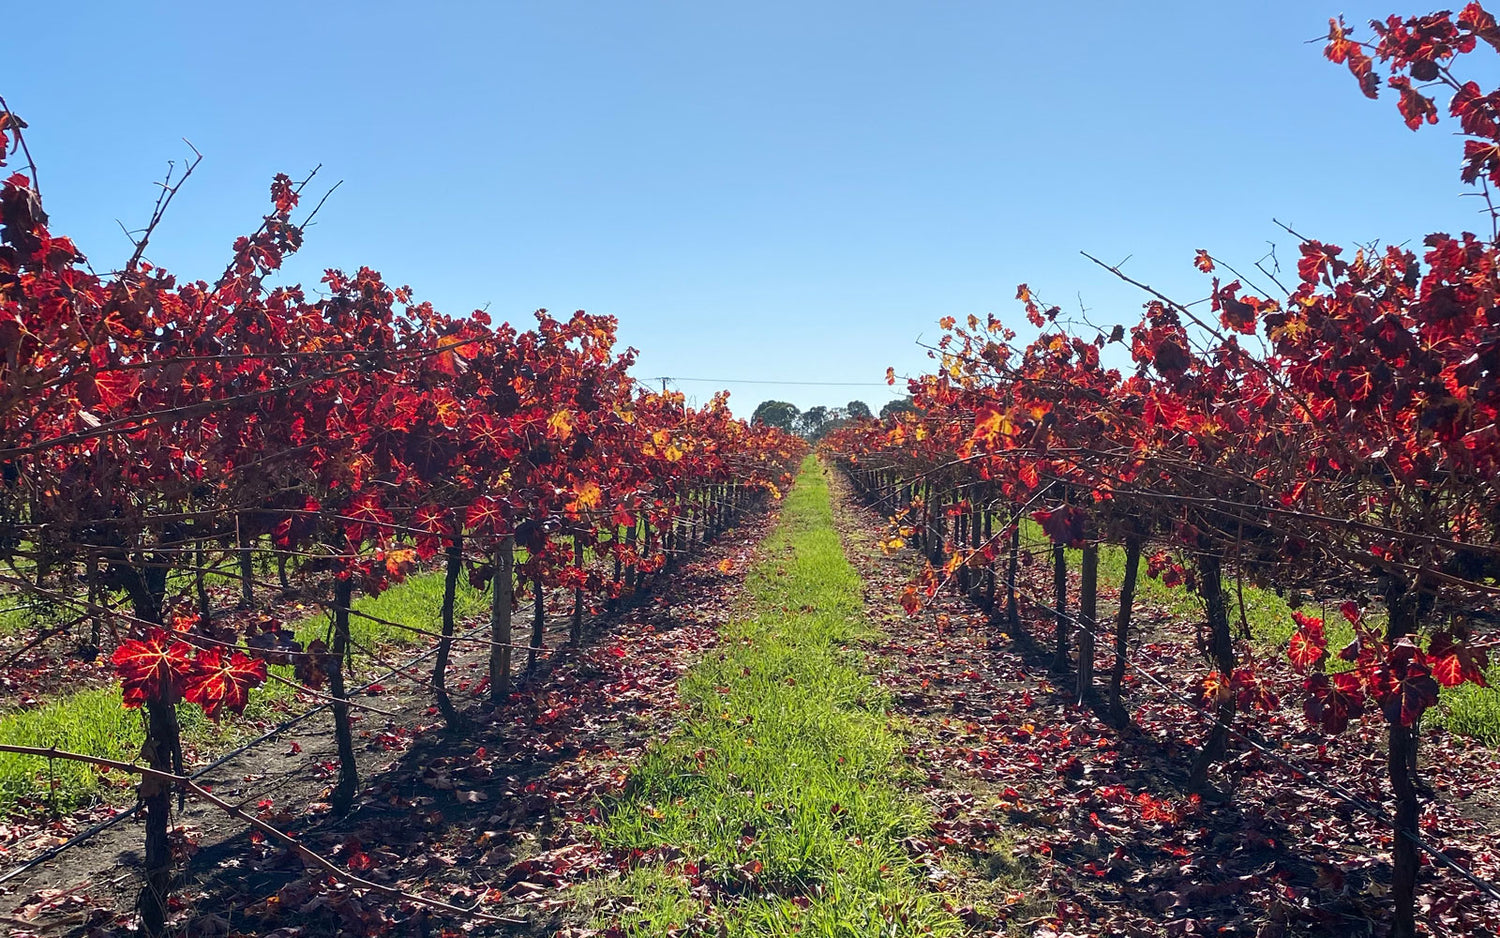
{"x":782,"y":784}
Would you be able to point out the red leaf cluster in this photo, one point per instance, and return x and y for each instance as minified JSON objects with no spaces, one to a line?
{"x":162,"y":668}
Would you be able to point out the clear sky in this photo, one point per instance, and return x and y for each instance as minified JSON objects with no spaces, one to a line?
{"x":777,"y":191}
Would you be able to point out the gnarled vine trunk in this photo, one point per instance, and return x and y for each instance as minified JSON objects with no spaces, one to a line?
{"x":1117,"y":712}
{"x":145,"y":584}
{"x":633,"y":570}
{"x":1060,"y":660}
{"x":989,"y":568}
{"x":247,"y":568}
{"x":1012,"y":609}
{"x":1221,"y":652}
{"x":538,"y":623}
{"x":1401,"y":766}
{"x":575,"y":627}
{"x":453,"y":565}
{"x":343,"y":793}
{"x":163,"y":751}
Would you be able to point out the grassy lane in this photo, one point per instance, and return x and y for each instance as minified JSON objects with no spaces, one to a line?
{"x":778,"y":795}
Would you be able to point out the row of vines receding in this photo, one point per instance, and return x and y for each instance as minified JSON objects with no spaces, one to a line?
{"x":160,"y":436}
{"x":1335,"y":437}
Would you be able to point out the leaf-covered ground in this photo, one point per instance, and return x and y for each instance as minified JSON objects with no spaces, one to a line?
{"x":1109,"y":842}
{"x":494,"y":815}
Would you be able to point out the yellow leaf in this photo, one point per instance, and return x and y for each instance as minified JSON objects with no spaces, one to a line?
{"x":396,"y":561}
{"x":990,"y":424}
{"x":588,"y":495}
{"x":449,"y":412}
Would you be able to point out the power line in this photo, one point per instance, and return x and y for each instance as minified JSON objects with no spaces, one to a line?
{"x":833,"y":384}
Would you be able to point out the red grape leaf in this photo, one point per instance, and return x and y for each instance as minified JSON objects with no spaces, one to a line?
{"x":1333,"y":701}
{"x":153,"y":669}
{"x":217,"y":684}
{"x":1403,"y":686}
{"x":1453,"y":661}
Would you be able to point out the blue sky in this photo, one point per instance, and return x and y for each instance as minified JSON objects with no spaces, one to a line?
{"x":775,"y":191}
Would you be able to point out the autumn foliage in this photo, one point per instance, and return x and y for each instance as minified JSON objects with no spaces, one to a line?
{"x":149,"y":423}
{"x":142,"y":414}
{"x":1338,"y":438}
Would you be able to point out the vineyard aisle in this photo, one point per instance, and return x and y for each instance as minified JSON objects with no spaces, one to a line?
{"x":785,"y":804}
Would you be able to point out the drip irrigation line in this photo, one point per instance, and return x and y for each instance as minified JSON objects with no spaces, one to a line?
{"x":1488,"y":889}
{"x":274,"y":731}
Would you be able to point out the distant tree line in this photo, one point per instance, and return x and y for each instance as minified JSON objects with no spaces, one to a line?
{"x":816,"y":422}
